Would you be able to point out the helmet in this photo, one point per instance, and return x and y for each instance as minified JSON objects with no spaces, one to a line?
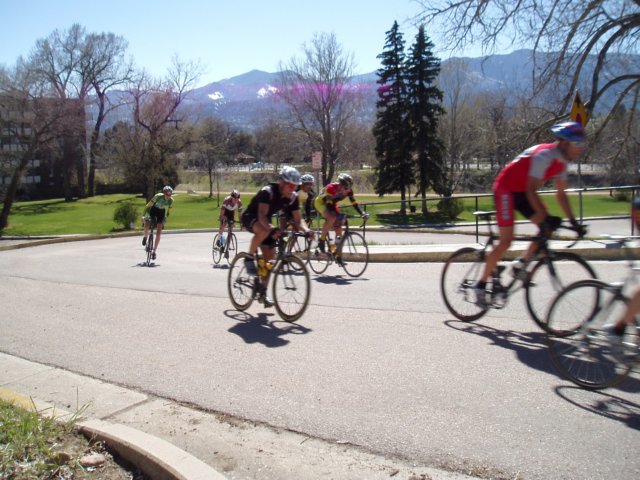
{"x":235,"y":193}
{"x":307,"y":178}
{"x":345,"y":180}
{"x":290,"y":175}
{"x":570,"y":131}
{"x":167,"y":189}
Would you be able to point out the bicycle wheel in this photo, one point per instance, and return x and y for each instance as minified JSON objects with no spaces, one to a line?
{"x":460,"y":273}
{"x":317,"y":261}
{"x":291,"y":288}
{"x":216,"y":250}
{"x":232,"y":247}
{"x":240,"y":284}
{"x":149,"y":247}
{"x":354,"y":253}
{"x":548,"y":277}
{"x":584,"y":355}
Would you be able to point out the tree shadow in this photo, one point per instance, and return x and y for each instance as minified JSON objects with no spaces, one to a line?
{"x":602,"y":403}
{"x":41,"y":208}
{"x":261,"y":329}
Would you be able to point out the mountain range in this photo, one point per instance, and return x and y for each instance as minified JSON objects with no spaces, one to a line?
{"x":243,"y":100}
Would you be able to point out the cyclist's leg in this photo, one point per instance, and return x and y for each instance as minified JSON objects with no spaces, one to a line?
{"x":329,"y":222}
{"x":522,"y":205}
{"x":268,"y":254}
{"x":223,"y":222}
{"x":158,"y":235}
{"x":505,"y":237}
{"x":147,"y":225}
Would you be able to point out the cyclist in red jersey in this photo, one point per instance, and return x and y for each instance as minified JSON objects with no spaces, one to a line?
{"x":516,"y":188}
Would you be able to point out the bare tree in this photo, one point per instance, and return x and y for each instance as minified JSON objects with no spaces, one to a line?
{"x":32,"y":118}
{"x":571,"y":39}
{"x":104,"y":66}
{"x":317,"y":91}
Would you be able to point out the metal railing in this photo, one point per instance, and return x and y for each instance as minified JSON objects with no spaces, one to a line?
{"x":580,"y":191}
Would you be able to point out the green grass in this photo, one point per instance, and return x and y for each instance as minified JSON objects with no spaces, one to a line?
{"x":95,"y":215}
{"x":26,"y":443}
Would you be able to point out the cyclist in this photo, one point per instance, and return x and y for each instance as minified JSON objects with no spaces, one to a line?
{"x":157,"y":210}
{"x":327,"y":204}
{"x":615,"y":332}
{"x":305,"y":196}
{"x":271,"y":198}
{"x":516,"y":186}
{"x":228,"y":209}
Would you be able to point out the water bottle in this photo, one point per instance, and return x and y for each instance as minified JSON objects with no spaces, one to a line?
{"x":222,"y":239}
{"x":262,"y":268}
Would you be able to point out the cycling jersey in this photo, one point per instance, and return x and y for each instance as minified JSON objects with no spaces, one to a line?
{"x":229,"y":206}
{"x":540,"y":161}
{"x":158,"y":208}
{"x":269,"y":194}
{"x":329,"y":197}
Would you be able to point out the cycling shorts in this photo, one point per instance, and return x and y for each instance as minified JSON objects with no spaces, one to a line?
{"x":507,"y":202}
{"x":248,"y":221}
{"x":157,"y":215}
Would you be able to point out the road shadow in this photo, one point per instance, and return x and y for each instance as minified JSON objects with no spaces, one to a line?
{"x":529,"y":347}
{"x":262,"y":329}
{"x":220,"y":266}
{"x":602,"y":403}
{"x":144,"y":264}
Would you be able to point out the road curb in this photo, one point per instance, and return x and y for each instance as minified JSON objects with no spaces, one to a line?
{"x":155,"y":457}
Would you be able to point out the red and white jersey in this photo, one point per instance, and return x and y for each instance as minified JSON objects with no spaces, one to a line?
{"x":540,"y":161}
{"x":231,"y":204}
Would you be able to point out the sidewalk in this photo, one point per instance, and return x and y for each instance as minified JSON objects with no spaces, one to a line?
{"x":167,"y":440}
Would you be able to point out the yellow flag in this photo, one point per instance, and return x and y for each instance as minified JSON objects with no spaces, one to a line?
{"x":578,"y":112}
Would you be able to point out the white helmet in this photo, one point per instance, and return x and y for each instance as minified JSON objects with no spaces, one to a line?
{"x":290,"y":175}
{"x":307,"y":178}
{"x":167,"y":189}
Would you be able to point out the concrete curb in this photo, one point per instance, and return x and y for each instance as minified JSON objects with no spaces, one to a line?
{"x":155,"y":457}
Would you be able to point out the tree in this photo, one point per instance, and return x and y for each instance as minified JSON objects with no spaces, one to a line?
{"x":32,"y":118}
{"x":391,"y":130}
{"x":317,"y":90}
{"x":213,"y":135}
{"x":277,"y":143}
{"x":424,"y":102}
{"x":570,"y":38}
{"x":104,"y":66}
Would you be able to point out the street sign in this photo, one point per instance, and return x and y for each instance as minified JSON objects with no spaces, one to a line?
{"x":578,"y":112}
{"x":316,"y":160}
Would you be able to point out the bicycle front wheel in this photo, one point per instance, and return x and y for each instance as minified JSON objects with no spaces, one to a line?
{"x":548,"y":277}
{"x":149,"y":247}
{"x":232,"y":247}
{"x":291,"y":288}
{"x":354,"y":254}
{"x":317,"y":260}
{"x":216,"y":250}
{"x":240,"y":284}
{"x":460,"y":273}
{"x":583,"y":354}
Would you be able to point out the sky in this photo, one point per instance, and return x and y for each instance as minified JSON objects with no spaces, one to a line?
{"x":228,"y":37}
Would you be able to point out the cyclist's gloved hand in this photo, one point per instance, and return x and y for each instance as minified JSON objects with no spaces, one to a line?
{"x":365,"y":216}
{"x":580,"y":229}
{"x":310,"y":234}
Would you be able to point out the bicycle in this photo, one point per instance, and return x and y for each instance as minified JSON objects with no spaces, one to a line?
{"x":351,"y":252}
{"x":545,"y":274}
{"x":148,"y":248}
{"x":230,"y":244}
{"x":290,"y":286}
{"x":581,"y":350}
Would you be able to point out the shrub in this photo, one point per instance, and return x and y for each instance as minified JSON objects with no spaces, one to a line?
{"x":451,"y":207}
{"x":126,"y":214}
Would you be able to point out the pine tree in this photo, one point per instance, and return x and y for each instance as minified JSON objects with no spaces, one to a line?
{"x":394,"y":170}
{"x":424,"y":110}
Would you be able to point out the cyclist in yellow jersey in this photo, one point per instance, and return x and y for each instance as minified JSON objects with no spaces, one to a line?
{"x":327,"y":204}
{"x":157,"y":210}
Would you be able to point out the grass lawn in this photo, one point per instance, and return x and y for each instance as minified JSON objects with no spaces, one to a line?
{"x":191,"y":211}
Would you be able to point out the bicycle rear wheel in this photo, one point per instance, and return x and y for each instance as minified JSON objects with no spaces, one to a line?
{"x":583,"y":353}
{"x":291,"y":288}
{"x":240,"y":284}
{"x":216,"y":249}
{"x":460,"y":273}
{"x":354,"y":254}
{"x":317,"y":261}
{"x":548,"y":277}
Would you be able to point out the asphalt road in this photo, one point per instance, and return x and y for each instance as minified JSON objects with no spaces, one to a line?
{"x":375,"y":361}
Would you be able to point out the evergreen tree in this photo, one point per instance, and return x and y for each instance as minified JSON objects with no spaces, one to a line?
{"x":394,"y":170}
{"x":424,"y":110}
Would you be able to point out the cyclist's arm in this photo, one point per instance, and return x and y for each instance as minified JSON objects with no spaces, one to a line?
{"x":263,"y":216}
{"x":563,"y":200}
{"x":354,"y":203}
